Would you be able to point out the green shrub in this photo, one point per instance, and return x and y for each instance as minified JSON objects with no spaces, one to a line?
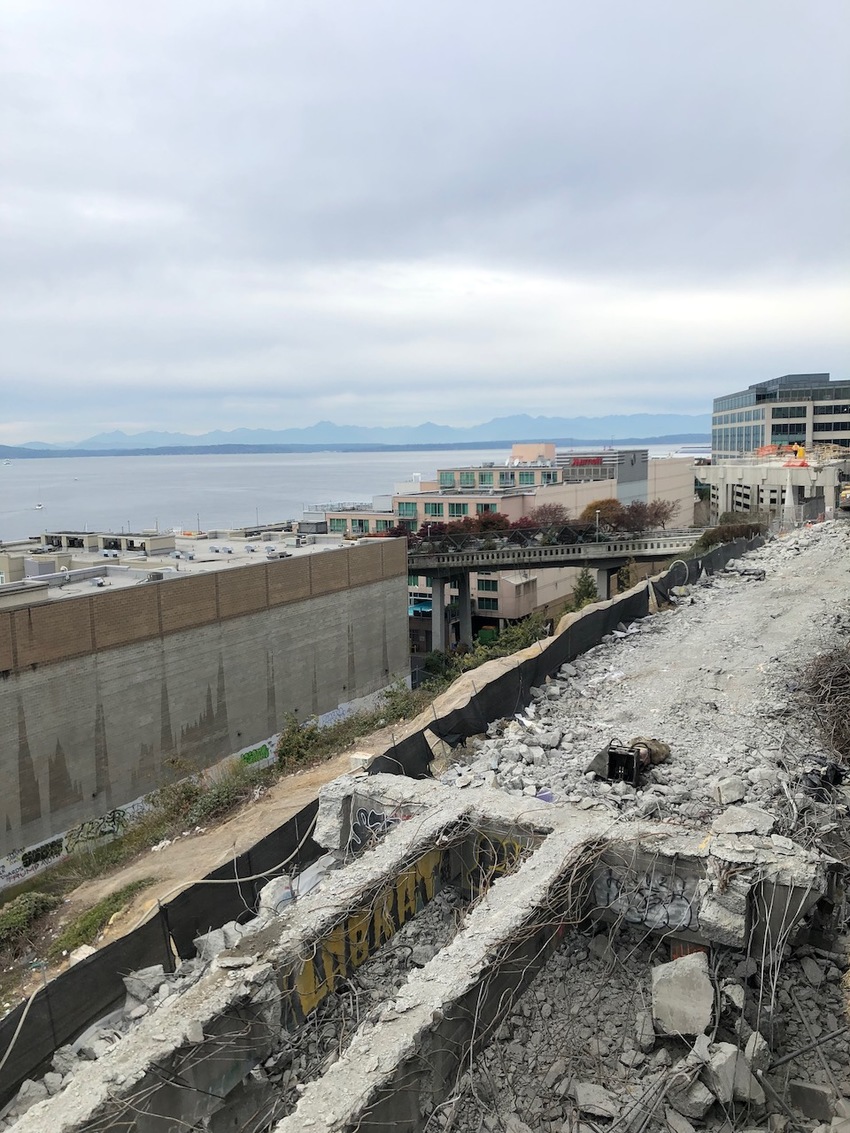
{"x":297,"y":743}
{"x":20,"y":915}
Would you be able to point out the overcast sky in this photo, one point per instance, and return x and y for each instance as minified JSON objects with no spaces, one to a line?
{"x":268,"y":213}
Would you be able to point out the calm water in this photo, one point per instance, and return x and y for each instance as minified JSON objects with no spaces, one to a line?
{"x":108,"y":493}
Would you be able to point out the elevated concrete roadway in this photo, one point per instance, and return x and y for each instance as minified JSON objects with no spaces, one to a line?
{"x":477,"y":553}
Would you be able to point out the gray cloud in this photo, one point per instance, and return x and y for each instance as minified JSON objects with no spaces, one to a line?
{"x":257,"y":214}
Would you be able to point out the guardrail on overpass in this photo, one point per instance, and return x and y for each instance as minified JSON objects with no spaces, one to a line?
{"x":457,"y":557}
{"x":507,"y":556}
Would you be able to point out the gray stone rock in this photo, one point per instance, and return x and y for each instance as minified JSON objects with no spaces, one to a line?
{"x":676,"y":1123}
{"x":595,"y":1100}
{"x":53,"y":1082}
{"x":757,"y":1052}
{"x":729,"y":790}
{"x":682,"y":996}
{"x":719,"y":1072}
{"x":813,"y":972}
{"x":644,"y":1032}
{"x":811,"y":1099}
{"x":145,"y":982}
{"x":743,"y":820}
{"x":694,"y":1101}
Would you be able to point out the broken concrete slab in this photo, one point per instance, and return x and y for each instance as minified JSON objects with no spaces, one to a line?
{"x":144,"y":983}
{"x":719,"y":1072}
{"x":682,"y":996}
{"x":595,"y":1100}
{"x":694,"y":1100}
{"x":728,"y":790}
{"x":811,"y":1099}
{"x":744,"y":820}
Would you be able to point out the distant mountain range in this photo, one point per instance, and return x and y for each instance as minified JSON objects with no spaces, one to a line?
{"x":676,"y":428}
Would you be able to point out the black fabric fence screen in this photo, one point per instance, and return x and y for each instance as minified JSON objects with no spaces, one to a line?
{"x":86,"y":992}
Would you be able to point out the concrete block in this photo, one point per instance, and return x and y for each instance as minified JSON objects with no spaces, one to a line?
{"x":210,"y":944}
{"x":275,"y":895}
{"x":747,"y":1087}
{"x":359,"y":760}
{"x":682,"y":996}
{"x":145,"y":982}
{"x":744,"y":820}
{"x":676,"y":1122}
{"x":719,"y":1072}
{"x":595,"y":1100}
{"x":813,"y":972}
{"x":694,"y":1101}
{"x":811,"y":1099}
{"x":644,"y":1032}
{"x":757,"y":1052}
{"x":728,"y":790}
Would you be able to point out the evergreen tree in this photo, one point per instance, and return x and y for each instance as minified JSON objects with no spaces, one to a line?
{"x":584,"y":591}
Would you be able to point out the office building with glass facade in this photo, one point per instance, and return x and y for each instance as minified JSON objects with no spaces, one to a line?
{"x":804,"y":409}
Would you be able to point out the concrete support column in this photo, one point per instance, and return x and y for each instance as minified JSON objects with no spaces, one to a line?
{"x":464,"y":592}
{"x":603,"y":582}
{"x":438,"y":614}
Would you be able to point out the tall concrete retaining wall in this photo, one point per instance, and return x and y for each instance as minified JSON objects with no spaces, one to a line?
{"x":100,"y":695}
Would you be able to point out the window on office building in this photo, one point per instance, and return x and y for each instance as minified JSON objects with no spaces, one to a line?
{"x":488,"y":584}
{"x":360,"y":526}
{"x":507,"y":479}
{"x":384,"y":525}
{"x":458,"y":511}
{"x":447,"y":479}
{"x":526,"y":477}
{"x":488,"y":603}
{"x":467,"y":479}
{"x":434,"y":510}
{"x":413,"y":580}
{"x":485,"y":479}
{"x":338,"y":526}
{"x":407,"y":510}
{"x":483,"y":509}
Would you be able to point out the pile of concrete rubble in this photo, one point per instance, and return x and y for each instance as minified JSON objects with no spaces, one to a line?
{"x":717,"y":679}
{"x":610,"y":1036}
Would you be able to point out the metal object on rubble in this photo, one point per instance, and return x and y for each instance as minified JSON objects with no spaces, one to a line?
{"x":624,"y":764}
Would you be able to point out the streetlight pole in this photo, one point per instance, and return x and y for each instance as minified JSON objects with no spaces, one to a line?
{"x":597,"y":525}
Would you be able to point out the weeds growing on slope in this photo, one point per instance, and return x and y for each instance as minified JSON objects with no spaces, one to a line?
{"x":86,"y":928}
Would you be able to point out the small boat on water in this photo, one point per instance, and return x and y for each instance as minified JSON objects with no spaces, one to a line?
{"x":38,"y":507}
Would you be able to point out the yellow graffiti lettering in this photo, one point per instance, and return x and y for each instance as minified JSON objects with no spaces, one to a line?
{"x":309,"y":989}
{"x":333,"y":955}
{"x":406,"y":893}
{"x":358,"y":936}
{"x":426,"y":871}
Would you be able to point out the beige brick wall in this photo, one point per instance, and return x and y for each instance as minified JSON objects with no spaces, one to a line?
{"x":49,"y":633}
{"x":73,"y":627}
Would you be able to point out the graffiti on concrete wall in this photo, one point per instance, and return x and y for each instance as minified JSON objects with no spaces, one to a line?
{"x":255,"y":755}
{"x":662,"y":902}
{"x":367,"y":826}
{"x":357,"y":937}
{"x":24,"y":863}
{"x":96,"y":829}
